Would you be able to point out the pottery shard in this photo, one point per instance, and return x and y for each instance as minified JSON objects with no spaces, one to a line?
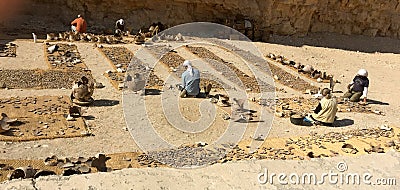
{"x":70,"y":171}
{"x":44,"y":173}
{"x":84,"y":169}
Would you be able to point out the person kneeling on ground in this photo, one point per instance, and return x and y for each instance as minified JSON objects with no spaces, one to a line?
{"x":358,"y":88}
{"x":325,"y":112}
{"x":190,"y":81}
{"x":119,"y":27}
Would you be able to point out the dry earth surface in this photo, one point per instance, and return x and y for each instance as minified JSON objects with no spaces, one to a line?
{"x":110,"y":134}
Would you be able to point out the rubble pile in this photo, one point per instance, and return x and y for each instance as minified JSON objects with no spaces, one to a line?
{"x":306,"y":70}
{"x":8,"y":50}
{"x":228,"y":69}
{"x":174,"y":62}
{"x":85,"y":37}
{"x":64,"y":56}
{"x":40,"y":79}
{"x":41,"y":117}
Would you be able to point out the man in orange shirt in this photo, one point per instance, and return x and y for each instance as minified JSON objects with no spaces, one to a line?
{"x":79,"y":25}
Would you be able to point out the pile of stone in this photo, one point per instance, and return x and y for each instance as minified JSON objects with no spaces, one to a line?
{"x":166,"y":37}
{"x":146,"y":161}
{"x":79,"y":165}
{"x":69,"y":166}
{"x":42,"y":107}
{"x":154,"y":81}
{"x":120,"y":57}
{"x":158,"y":50}
{"x":286,"y":107}
{"x":357,"y":107}
{"x":188,"y":156}
{"x":28,"y":172}
{"x":42,"y":79}
{"x":84,"y":37}
{"x":8,"y":50}
{"x":292,"y":81}
{"x":173,"y":61}
{"x":64,"y":56}
{"x":228,"y":69}
{"x":307,"y":70}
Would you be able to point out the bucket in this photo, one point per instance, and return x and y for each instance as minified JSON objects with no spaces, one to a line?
{"x":296,"y":119}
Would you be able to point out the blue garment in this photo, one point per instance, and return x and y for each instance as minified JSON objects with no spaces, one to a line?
{"x":191,"y":83}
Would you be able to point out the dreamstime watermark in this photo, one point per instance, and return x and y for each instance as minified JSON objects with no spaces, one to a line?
{"x":339,"y":177}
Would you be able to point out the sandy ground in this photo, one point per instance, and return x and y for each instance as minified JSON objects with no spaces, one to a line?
{"x":106,"y":118}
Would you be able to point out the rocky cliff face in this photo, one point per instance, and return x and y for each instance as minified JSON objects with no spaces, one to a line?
{"x":283,"y":17}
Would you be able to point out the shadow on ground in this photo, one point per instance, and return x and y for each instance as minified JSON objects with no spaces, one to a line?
{"x":152,"y":92}
{"x":359,"y":43}
{"x":343,"y":123}
{"x":377,"y":102}
{"x":104,"y":102}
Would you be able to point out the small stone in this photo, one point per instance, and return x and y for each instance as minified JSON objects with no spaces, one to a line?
{"x":68,"y":165}
{"x":70,"y":118}
{"x":385,"y":127}
{"x":99,"y":85}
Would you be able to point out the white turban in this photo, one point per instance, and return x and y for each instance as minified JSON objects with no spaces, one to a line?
{"x":189,"y":67}
{"x":121,"y":21}
{"x":362,"y":72}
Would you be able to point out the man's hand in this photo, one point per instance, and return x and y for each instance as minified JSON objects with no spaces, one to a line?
{"x":364,"y":102}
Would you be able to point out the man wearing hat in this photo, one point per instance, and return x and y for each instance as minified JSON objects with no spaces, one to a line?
{"x":79,"y":25}
{"x":190,"y":81}
{"x":358,"y":88}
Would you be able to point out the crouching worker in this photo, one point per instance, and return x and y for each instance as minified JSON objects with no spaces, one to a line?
{"x":190,"y":81}
{"x":358,"y":88}
{"x":325,"y":112}
{"x":79,"y":25}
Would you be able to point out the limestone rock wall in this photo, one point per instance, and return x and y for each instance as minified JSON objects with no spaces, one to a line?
{"x":283,"y":17}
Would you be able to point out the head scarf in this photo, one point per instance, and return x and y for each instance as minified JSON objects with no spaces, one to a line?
{"x":189,"y":67}
{"x":362,"y":72}
{"x":121,"y":21}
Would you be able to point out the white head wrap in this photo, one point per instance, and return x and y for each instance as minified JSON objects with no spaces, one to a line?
{"x":362,"y":72}
{"x":189,"y":66}
{"x":121,"y":21}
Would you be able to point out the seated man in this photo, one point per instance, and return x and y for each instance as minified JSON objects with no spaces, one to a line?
{"x":358,"y":88}
{"x":325,"y":112}
{"x":190,"y":81}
